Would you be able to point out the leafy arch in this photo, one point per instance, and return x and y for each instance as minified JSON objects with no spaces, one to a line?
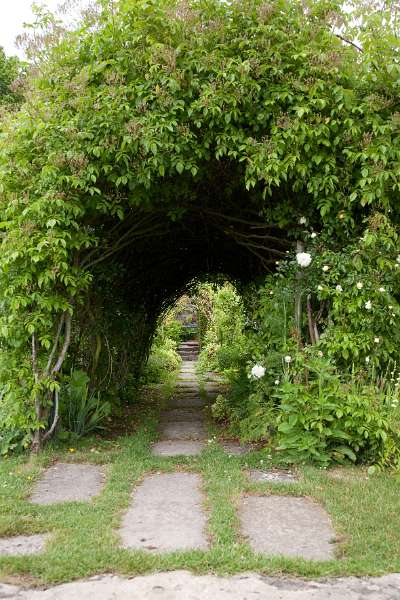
{"x":166,"y":140}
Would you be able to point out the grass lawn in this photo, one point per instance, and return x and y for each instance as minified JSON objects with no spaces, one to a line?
{"x":84,"y":540}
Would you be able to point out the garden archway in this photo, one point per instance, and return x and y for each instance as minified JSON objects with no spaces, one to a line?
{"x":168,"y":140}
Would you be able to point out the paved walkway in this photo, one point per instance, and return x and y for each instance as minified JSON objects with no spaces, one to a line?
{"x":181,"y":585}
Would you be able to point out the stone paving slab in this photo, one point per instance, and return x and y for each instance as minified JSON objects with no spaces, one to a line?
{"x":272,"y":476}
{"x":182,"y":414}
{"x":182,"y":585}
{"x":177,"y":448}
{"x":185,"y":401}
{"x":287,"y":526}
{"x":183,"y":430}
{"x":235,"y":448}
{"x":67,"y":482}
{"x":23,"y":545}
{"x":166,"y":514}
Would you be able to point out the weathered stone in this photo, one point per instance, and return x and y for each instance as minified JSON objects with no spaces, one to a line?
{"x":20,"y":545}
{"x":187,"y":402}
{"x":166,"y":514}
{"x":272,"y":476}
{"x":182,"y":585}
{"x":181,"y":414}
{"x":287,"y":526}
{"x":183,"y":430}
{"x":177,"y":448}
{"x":65,"y":482}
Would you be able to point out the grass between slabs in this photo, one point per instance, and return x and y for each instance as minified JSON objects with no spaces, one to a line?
{"x":84,"y":539}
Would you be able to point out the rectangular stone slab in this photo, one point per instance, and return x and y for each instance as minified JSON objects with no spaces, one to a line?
{"x":181,"y":414}
{"x":183,"y":430}
{"x":177,"y":448}
{"x":186,"y":402}
{"x":166,"y":514}
{"x":65,"y":482}
{"x":23,"y":545}
{"x":287,"y":526}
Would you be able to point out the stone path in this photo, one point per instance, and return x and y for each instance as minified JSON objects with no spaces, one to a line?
{"x":181,"y":585}
{"x":182,"y":426}
{"x":166,"y":514}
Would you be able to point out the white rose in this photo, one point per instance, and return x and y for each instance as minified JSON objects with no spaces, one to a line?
{"x":367,"y":359}
{"x":398,"y":259}
{"x":288,"y":359}
{"x":314,"y":235}
{"x":277,"y":382}
{"x":302,"y":220}
{"x":320,"y":354}
{"x":339,"y":288}
{"x":359,"y":285}
{"x":320,"y":288}
{"x":381,"y":289}
{"x":325,"y":268}
{"x":303,"y":259}
{"x":368,"y":305}
{"x":258,"y":371}
{"x":376,"y":340}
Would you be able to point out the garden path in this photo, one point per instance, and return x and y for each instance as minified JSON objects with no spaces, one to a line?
{"x":167,"y":514}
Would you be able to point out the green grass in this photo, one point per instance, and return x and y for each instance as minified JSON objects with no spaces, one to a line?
{"x":84,"y":539}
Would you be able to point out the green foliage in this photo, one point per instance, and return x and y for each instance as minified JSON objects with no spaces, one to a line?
{"x":82,"y":411}
{"x":163,"y":359}
{"x":325,"y":421}
{"x":10,"y":69}
{"x":161,"y":116}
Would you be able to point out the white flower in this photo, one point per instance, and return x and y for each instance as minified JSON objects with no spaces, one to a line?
{"x":325,"y":268}
{"x":288,"y":359}
{"x":367,"y":359}
{"x":398,"y":259}
{"x":271,"y":293}
{"x":368,"y":305}
{"x":381,"y":290}
{"x":314,"y":235}
{"x":359,"y":285}
{"x":258,"y":371}
{"x":277,"y":382}
{"x":339,"y":288}
{"x":390,"y":307}
{"x":376,"y":340}
{"x":303,"y":259}
{"x":320,"y":354}
{"x":302,"y":220}
{"x":320,"y":288}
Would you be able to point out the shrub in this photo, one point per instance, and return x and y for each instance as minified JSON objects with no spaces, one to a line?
{"x":82,"y":411}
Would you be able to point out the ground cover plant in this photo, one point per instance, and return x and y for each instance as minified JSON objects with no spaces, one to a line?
{"x":165,"y":143}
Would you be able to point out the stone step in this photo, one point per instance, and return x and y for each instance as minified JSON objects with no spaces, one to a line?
{"x":166,"y":514}
{"x":183,"y":430}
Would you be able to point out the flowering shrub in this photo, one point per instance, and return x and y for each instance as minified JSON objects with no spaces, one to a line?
{"x":323,"y":378}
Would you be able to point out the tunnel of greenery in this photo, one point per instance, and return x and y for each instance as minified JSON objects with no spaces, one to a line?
{"x":163,"y":143}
